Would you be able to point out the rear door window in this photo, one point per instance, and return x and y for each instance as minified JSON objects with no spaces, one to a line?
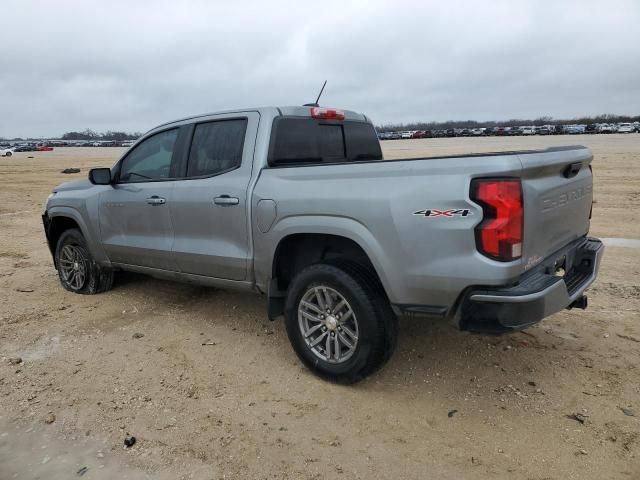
{"x":216,"y":147}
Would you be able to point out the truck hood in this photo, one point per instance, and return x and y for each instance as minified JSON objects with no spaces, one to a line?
{"x":74,"y":185}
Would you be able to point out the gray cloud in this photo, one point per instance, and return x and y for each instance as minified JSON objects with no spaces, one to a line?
{"x":131,"y":65}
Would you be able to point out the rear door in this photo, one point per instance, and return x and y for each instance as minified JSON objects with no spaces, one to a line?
{"x":135,"y":224}
{"x":557,"y":191}
{"x":209,"y":205}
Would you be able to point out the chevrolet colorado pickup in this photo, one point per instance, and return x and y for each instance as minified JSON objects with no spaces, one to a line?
{"x":297,"y":203}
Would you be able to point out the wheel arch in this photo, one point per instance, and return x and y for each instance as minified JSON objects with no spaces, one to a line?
{"x":61,"y":219}
{"x":311,"y":240}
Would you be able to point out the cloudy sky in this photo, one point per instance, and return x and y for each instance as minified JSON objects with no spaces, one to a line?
{"x":112,"y":65}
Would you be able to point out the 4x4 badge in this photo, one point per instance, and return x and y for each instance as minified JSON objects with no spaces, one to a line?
{"x":452,"y":212}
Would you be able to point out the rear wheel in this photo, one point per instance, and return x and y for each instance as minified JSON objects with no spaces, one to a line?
{"x":8,"y":154}
{"x":339,"y":321}
{"x":77,"y":270}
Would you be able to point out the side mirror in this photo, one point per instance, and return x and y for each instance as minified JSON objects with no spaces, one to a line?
{"x":100,"y":176}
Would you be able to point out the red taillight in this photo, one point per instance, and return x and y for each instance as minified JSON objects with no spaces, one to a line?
{"x":322,"y":113}
{"x":499,"y":235}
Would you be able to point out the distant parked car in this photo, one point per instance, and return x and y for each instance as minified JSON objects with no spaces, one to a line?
{"x":6,"y":152}
{"x":477,"y":132}
{"x":591,"y":128}
{"x":574,"y":129}
{"x":23,"y":148}
{"x":44,"y":148}
{"x":625,"y":128}
{"x":527,"y":130}
{"x":606,"y":128}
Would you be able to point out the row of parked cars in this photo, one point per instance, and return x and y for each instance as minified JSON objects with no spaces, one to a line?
{"x":100,"y":143}
{"x":6,"y":149}
{"x":511,"y":131}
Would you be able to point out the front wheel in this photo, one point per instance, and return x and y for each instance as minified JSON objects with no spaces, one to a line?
{"x":77,"y":270}
{"x":339,"y":321}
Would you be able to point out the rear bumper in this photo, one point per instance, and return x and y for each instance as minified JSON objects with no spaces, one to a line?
{"x":537,"y":294}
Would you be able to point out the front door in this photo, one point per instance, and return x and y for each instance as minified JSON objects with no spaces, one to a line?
{"x":209,"y":206}
{"x":135,"y":222}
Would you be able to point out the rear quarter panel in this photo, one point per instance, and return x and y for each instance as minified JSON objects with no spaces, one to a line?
{"x":420,"y":260}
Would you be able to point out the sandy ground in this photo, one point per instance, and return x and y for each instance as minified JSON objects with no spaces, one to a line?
{"x":213,"y":390}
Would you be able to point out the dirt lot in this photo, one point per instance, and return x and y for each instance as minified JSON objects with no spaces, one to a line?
{"x":213,"y":390}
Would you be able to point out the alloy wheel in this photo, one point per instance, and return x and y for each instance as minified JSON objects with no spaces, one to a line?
{"x":73,"y":266}
{"x":328,"y":324}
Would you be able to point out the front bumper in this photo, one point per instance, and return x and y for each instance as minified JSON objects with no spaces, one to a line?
{"x":538,"y":294}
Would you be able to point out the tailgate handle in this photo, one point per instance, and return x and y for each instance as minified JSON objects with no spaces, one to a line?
{"x":572,"y":169}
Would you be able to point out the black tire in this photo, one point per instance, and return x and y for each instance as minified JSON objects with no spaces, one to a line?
{"x":8,"y":154}
{"x":95,"y":279}
{"x":377,"y":324}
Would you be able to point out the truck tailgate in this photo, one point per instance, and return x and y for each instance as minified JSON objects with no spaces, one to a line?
{"x":557,"y":193}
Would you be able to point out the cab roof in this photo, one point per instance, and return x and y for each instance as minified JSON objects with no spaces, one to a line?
{"x":294,"y":111}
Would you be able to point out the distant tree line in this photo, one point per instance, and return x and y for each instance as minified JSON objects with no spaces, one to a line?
{"x":605,"y":118}
{"x":89,"y":134}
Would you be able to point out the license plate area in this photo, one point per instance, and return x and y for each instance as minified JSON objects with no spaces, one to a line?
{"x":566,"y":263}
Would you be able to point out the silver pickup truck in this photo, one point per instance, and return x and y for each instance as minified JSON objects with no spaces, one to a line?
{"x":298,"y":203}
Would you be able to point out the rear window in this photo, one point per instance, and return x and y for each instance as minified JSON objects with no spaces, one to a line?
{"x":298,"y":141}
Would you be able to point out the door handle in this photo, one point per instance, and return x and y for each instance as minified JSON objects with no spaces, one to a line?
{"x":226,"y":200}
{"x":156,"y":200}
